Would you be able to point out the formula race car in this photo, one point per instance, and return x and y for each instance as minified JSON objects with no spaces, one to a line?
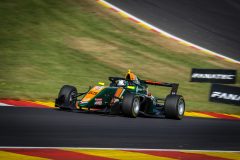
{"x":128,"y":96}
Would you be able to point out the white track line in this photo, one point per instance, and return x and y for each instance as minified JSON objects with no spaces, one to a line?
{"x":4,"y":104}
{"x":168,"y":34}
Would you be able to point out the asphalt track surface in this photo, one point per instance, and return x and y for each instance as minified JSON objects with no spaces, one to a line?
{"x":214,"y":24}
{"x":38,"y":127}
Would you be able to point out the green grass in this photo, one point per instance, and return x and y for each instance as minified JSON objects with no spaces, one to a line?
{"x":46,"y":43}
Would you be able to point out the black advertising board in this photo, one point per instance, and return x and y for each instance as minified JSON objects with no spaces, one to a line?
{"x":225,"y":94}
{"x":227,"y":76}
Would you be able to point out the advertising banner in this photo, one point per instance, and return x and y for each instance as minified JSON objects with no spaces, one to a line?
{"x":225,"y":94}
{"x":227,"y":76}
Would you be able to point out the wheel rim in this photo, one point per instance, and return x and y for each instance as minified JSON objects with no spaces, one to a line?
{"x":71,"y":97}
{"x":181,"y":107}
{"x":136,"y":106}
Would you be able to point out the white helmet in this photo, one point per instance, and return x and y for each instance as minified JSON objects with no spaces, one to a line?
{"x":121,"y":83}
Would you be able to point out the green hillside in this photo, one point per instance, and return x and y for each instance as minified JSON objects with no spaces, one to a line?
{"x":47,"y":43}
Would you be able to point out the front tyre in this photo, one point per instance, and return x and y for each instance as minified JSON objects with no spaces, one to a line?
{"x":174,"y":107}
{"x":130,"y":105}
{"x":67,"y":97}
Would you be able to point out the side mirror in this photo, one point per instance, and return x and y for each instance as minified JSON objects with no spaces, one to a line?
{"x":131,"y":87}
{"x":101,"y":83}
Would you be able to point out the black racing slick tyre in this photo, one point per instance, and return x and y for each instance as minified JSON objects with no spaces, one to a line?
{"x":130,"y":105}
{"x":67,"y":97}
{"x":174,"y":107}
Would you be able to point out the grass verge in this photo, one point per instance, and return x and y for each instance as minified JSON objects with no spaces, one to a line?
{"x":45,"y":44}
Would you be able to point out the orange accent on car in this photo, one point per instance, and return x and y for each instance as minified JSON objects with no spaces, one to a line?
{"x":118,"y":92}
{"x":131,"y":76}
{"x":92,"y":93}
{"x":151,"y":82}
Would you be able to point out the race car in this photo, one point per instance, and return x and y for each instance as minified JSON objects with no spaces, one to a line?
{"x":128,"y":96}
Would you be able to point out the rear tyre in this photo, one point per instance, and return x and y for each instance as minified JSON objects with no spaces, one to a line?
{"x":67,"y":97}
{"x":130,"y":105}
{"x":174,"y":107}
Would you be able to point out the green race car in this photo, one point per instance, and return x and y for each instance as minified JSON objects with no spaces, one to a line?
{"x":128,"y":96}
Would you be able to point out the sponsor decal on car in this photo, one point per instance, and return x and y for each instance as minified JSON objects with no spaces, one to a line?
{"x":92,"y":93}
{"x":81,"y":102}
{"x":98,"y":101}
{"x":98,"y":88}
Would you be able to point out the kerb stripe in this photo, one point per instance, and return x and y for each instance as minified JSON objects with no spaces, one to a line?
{"x":4,"y":155}
{"x":121,"y":155}
{"x":56,"y":154}
{"x":182,"y":155}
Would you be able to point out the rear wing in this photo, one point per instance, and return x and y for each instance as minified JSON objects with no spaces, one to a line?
{"x":174,"y":86}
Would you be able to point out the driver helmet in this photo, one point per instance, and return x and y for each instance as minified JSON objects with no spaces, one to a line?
{"x":121,"y":83}
{"x":131,"y":76}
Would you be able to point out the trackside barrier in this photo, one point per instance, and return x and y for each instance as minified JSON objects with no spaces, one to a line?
{"x":225,"y":94}
{"x":214,"y":75}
